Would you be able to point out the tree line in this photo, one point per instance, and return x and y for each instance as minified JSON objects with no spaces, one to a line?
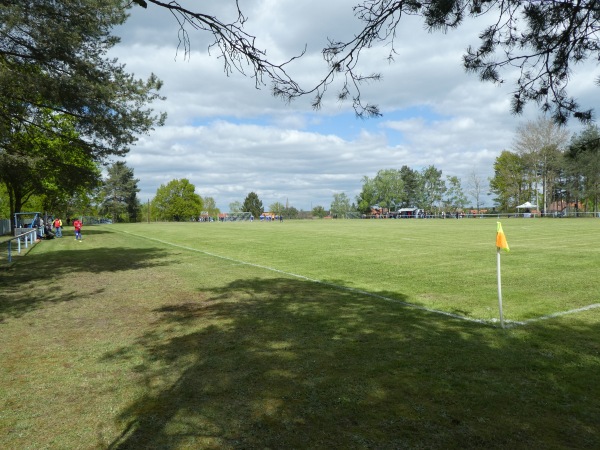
{"x":546,"y":166}
{"x":549,"y":168}
{"x":392,"y":189}
{"x":66,"y":109}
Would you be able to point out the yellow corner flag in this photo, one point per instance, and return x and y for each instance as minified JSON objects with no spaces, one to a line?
{"x":501,"y":239}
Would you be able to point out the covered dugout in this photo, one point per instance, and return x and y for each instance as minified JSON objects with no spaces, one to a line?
{"x":409,"y":213}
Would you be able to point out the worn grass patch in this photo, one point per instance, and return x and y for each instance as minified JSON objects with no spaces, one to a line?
{"x":124,"y":342}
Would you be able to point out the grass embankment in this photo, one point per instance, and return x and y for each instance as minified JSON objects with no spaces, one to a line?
{"x":124,"y":342}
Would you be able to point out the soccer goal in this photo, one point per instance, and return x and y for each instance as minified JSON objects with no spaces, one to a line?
{"x":238,"y":216}
{"x":354,"y":215}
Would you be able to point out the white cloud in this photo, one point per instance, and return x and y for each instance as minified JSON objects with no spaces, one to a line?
{"x":229,"y":138}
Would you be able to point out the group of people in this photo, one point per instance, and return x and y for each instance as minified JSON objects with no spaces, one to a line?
{"x":57,"y":225}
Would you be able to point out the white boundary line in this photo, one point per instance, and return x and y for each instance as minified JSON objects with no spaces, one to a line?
{"x":508,"y":323}
{"x":557,"y":314}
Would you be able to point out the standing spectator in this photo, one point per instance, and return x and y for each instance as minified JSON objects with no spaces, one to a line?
{"x":41,"y":227}
{"x":58,"y":227}
{"x":48,"y":234}
{"x":77,"y":225}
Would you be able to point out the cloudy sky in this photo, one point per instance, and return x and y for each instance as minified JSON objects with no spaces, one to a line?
{"x":229,"y":138}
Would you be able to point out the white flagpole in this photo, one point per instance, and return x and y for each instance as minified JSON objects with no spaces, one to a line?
{"x":499,"y":286}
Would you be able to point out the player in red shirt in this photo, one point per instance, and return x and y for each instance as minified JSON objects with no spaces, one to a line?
{"x":77,"y":224}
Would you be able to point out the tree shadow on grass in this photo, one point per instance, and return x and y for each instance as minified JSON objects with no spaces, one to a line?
{"x":280,"y":363}
{"x":21,"y":290}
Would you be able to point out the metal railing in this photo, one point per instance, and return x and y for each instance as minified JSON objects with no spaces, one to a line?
{"x":21,"y":241}
{"x":467,"y":215}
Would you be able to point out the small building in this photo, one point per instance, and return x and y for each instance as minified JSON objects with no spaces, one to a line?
{"x":563,"y":208}
{"x":410,"y":213}
{"x":529,"y":209}
{"x":379,"y":212}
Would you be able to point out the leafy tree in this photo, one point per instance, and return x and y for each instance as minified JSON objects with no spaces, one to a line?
{"x":119,"y":194}
{"x":411,"y":181}
{"x":81,"y":204}
{"x":52,"y":166}
{"x":253,"y":205}
{"x":569,"y":189}
{"x":389,"y":187}
{"x":340,"y":205}
{"x":583,"y":157}
{"x":393,"y":188}
{"x":542,"y":40}
{"x":319,"y":211}
{"x":235,"y":207}
{"x":210,"y":206}
{"x":368,"y":196}
{"x":4,"y":207}
{"x":508,"y":182}
{"x":145,"y":212}
{"x":65,"y":107}
{"x":177,"y":201}
{"x":305,"y":214}
{"x":455,"y":197}
{"x":53,"y":58}
{"x":291,"y":212}
{"x":541,"y":143}
{"x":433,"y":188}
{"x":384,"y":190}
{"x":278,"y":208}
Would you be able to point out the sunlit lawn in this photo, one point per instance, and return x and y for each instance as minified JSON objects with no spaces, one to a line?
{"x":442,"y":264}
{"x":297,"y":335}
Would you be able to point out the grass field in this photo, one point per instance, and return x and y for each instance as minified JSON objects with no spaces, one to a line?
{"x":302,"y":335}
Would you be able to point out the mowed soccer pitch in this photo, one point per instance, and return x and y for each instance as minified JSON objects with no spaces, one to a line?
{"x":321,"y":334}
{"x":444,"y":265}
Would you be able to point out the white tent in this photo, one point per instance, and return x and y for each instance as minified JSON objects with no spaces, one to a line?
{"x":527,"y":205}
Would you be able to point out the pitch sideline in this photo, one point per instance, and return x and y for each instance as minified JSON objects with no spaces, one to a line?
{"x":493,"y":322}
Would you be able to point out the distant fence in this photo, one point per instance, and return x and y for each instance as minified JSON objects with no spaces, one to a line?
{"x":9,"y":247}
{"x":4,"y":227}
{"x":595,"y":214}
